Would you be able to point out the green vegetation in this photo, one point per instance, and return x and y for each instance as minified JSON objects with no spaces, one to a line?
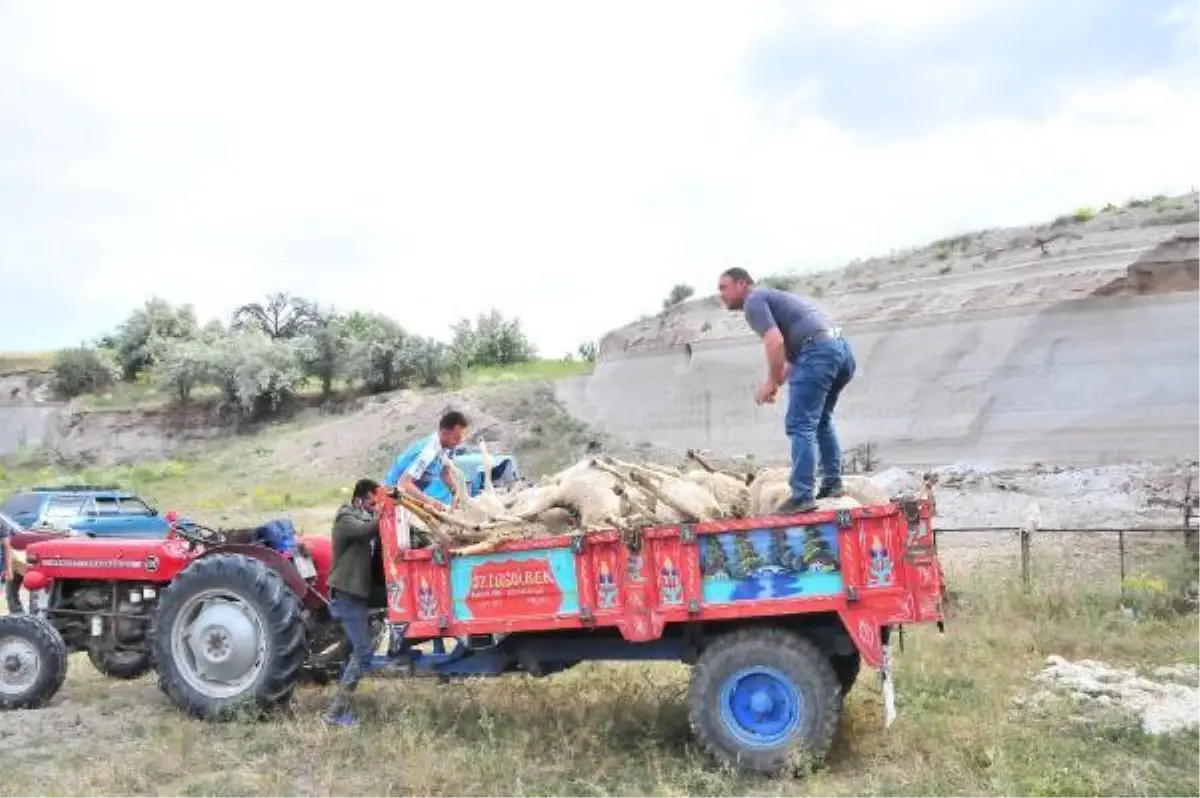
{"x":284,"y":348}
{"x":677,"y":294}
{"x":14,"y":362}
{"x":780,"y":282}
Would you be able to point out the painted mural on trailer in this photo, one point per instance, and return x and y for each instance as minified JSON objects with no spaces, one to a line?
{"x":792,"y":562}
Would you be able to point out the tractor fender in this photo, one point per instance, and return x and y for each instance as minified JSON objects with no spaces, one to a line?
{"x":276,"y":562}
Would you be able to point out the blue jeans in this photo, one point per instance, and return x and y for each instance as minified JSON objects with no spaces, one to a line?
{"x":819,"y":373}
{"x":353,"y":614}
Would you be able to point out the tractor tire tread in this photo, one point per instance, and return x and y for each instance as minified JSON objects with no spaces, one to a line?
{"x":51,"y":649}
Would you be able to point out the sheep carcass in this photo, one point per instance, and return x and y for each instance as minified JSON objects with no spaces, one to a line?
{"x":732,"y":494}
{"x":771,"y":488}
{"x":586,"y":492}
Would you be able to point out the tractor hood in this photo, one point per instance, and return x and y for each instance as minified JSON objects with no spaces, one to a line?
{"x":96,"y":558}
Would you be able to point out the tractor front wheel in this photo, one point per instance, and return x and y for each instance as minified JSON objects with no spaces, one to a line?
{"x":33,"y":661}
{"x":229,"y":635}
{"x":765,"y":700}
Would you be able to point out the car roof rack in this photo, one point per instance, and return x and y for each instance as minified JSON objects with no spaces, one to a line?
{"x":74,"y":488}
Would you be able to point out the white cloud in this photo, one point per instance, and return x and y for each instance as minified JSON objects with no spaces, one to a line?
{"x":895,"y":21}
{"x":563,"y":165}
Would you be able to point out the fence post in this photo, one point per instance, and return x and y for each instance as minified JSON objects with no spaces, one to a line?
{"x":1025,"y":557}
{"x":1121,"y":554}
{"x":1191,"y":537}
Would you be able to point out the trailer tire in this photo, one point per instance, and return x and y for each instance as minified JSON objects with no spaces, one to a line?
{"x":33,"y":662}
{"x":847,"y":667}
{"x":759,"y":697}
{"x":254,"y":641}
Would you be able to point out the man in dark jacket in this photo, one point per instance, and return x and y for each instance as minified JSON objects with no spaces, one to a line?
{"x":355,"y":534}
{"x":11,"y":572}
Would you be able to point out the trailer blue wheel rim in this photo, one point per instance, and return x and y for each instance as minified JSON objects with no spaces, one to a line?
{"x":760,"y":706}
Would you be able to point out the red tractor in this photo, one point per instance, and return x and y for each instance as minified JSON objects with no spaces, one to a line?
{"x":233,"y":596}
{"x":775,"y":613}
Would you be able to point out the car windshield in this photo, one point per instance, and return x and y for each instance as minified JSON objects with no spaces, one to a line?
{"x":64,"y":508}
{"x":21,"y":504}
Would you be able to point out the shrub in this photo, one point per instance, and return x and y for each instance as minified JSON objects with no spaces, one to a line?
{"x":281,"y":317}
{"x":256,"y":373}
{"x":386,"y":357}
{"x":491,"y":341}
{"x":781,"y":282}
{"x":325,"y":351}
{"x":185,"y":366}
{"x":588,"y":351}
{"x":81,"y":370}
{"x":141,"y":339}
{"x":677,"y":294}
{"x":1084,"y":213}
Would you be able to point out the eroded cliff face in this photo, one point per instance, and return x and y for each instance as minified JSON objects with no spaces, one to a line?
{"x":1142,"y":250}
{"x":1073,"y":344}
{"x":31,"y":420}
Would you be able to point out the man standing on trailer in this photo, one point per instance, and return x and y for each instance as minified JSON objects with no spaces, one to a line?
{"x":805,"y":350}
{"x":423,"y":470}
{"x":355,"y":534}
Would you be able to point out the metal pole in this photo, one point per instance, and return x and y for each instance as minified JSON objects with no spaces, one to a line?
{"x":1191,"y":537}
{"x":1121,"y":551}
{"x":1025,"y":558}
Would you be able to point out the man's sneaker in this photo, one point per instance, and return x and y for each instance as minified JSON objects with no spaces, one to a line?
{"x":342,"y":719}
{"x":795,"y":506}
{"x":835,"y":492}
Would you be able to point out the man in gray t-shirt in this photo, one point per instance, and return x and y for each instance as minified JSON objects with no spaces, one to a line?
{"x":809,"y":353}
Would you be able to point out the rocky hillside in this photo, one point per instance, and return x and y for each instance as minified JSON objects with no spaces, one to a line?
{"x":1070,"y":342}
{"x":1144,"y":247}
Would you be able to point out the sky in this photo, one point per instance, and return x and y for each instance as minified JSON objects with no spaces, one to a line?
{"x":565,"y":163}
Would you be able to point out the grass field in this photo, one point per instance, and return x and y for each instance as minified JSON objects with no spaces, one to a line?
{"x":616,"y":729}
{"x":11,"y":362}
{"x":623,"y":730}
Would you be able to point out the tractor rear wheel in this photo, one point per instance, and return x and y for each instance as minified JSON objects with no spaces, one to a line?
{"x":33,"y":661}
{"x":228,"y":636}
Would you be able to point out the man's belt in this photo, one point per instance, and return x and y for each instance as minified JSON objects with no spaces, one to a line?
{"x":828,"y":332}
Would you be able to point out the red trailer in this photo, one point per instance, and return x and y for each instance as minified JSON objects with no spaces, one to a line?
{"x":777,"y":614}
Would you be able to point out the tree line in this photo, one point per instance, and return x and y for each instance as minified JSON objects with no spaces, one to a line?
{"x":269,"y":350}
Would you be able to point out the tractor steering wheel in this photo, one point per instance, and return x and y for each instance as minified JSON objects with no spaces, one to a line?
{"x":198,"y":533}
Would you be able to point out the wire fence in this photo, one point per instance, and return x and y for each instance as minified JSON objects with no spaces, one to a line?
{"x":1147,"y":567}
{"x":1120,"y":559}
{"x":1101,"y":558}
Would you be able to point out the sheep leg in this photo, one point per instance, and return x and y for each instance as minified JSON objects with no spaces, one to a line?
{"x":692,"y":454}
{"x":653,"y":490}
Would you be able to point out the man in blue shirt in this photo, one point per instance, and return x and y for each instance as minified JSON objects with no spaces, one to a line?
{"x":809,"y":353}
{"x":422,"y":471}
